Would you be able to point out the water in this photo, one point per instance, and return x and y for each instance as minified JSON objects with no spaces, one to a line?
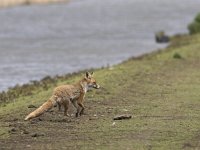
{"x":36,"y":41}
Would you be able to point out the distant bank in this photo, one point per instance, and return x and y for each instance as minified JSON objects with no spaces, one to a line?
{"x":7,"y":3}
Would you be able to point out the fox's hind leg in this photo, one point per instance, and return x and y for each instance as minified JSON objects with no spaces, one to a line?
{"x":66,"y":106}
{"x":59,"y":103}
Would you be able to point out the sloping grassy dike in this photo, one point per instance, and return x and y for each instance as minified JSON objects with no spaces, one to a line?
{"x":160,"y":90}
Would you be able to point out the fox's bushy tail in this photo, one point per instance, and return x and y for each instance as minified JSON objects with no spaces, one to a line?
{"x":42,"y":109}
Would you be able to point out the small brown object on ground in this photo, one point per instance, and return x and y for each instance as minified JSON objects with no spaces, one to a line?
{"x":121,"y":117}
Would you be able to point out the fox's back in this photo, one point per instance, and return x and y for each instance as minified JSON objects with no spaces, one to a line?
{"x":67,"y":91}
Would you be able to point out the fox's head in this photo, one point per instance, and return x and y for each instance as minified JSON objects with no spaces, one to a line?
{"x":91,"y":82}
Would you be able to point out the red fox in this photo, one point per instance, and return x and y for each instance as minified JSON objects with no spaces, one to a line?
{"x":64,"y":94}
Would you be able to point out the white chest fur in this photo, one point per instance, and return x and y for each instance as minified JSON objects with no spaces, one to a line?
{"x":85,"y":87}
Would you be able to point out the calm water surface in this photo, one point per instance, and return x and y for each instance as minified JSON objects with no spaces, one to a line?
{"x":36,"y":41}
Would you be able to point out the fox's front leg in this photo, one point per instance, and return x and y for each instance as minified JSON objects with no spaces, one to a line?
{"x":81,"y":106}
{"x":74,"y":102}
{"x":82,"y":110}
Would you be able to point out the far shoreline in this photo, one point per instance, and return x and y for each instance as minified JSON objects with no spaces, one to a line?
{"x":13,"y":3}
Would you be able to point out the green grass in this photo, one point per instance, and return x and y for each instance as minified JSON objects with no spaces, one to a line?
{"x":161,"y":92}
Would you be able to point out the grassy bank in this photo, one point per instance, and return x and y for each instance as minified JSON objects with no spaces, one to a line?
{"x":160,"y":90}
{"x":8,"y":3}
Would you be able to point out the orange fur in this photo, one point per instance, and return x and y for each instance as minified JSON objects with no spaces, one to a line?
{"x":65,"y":94}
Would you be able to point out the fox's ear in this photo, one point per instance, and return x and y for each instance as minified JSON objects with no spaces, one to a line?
{"x":87,"y":74}
{"x":92,"y":73}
